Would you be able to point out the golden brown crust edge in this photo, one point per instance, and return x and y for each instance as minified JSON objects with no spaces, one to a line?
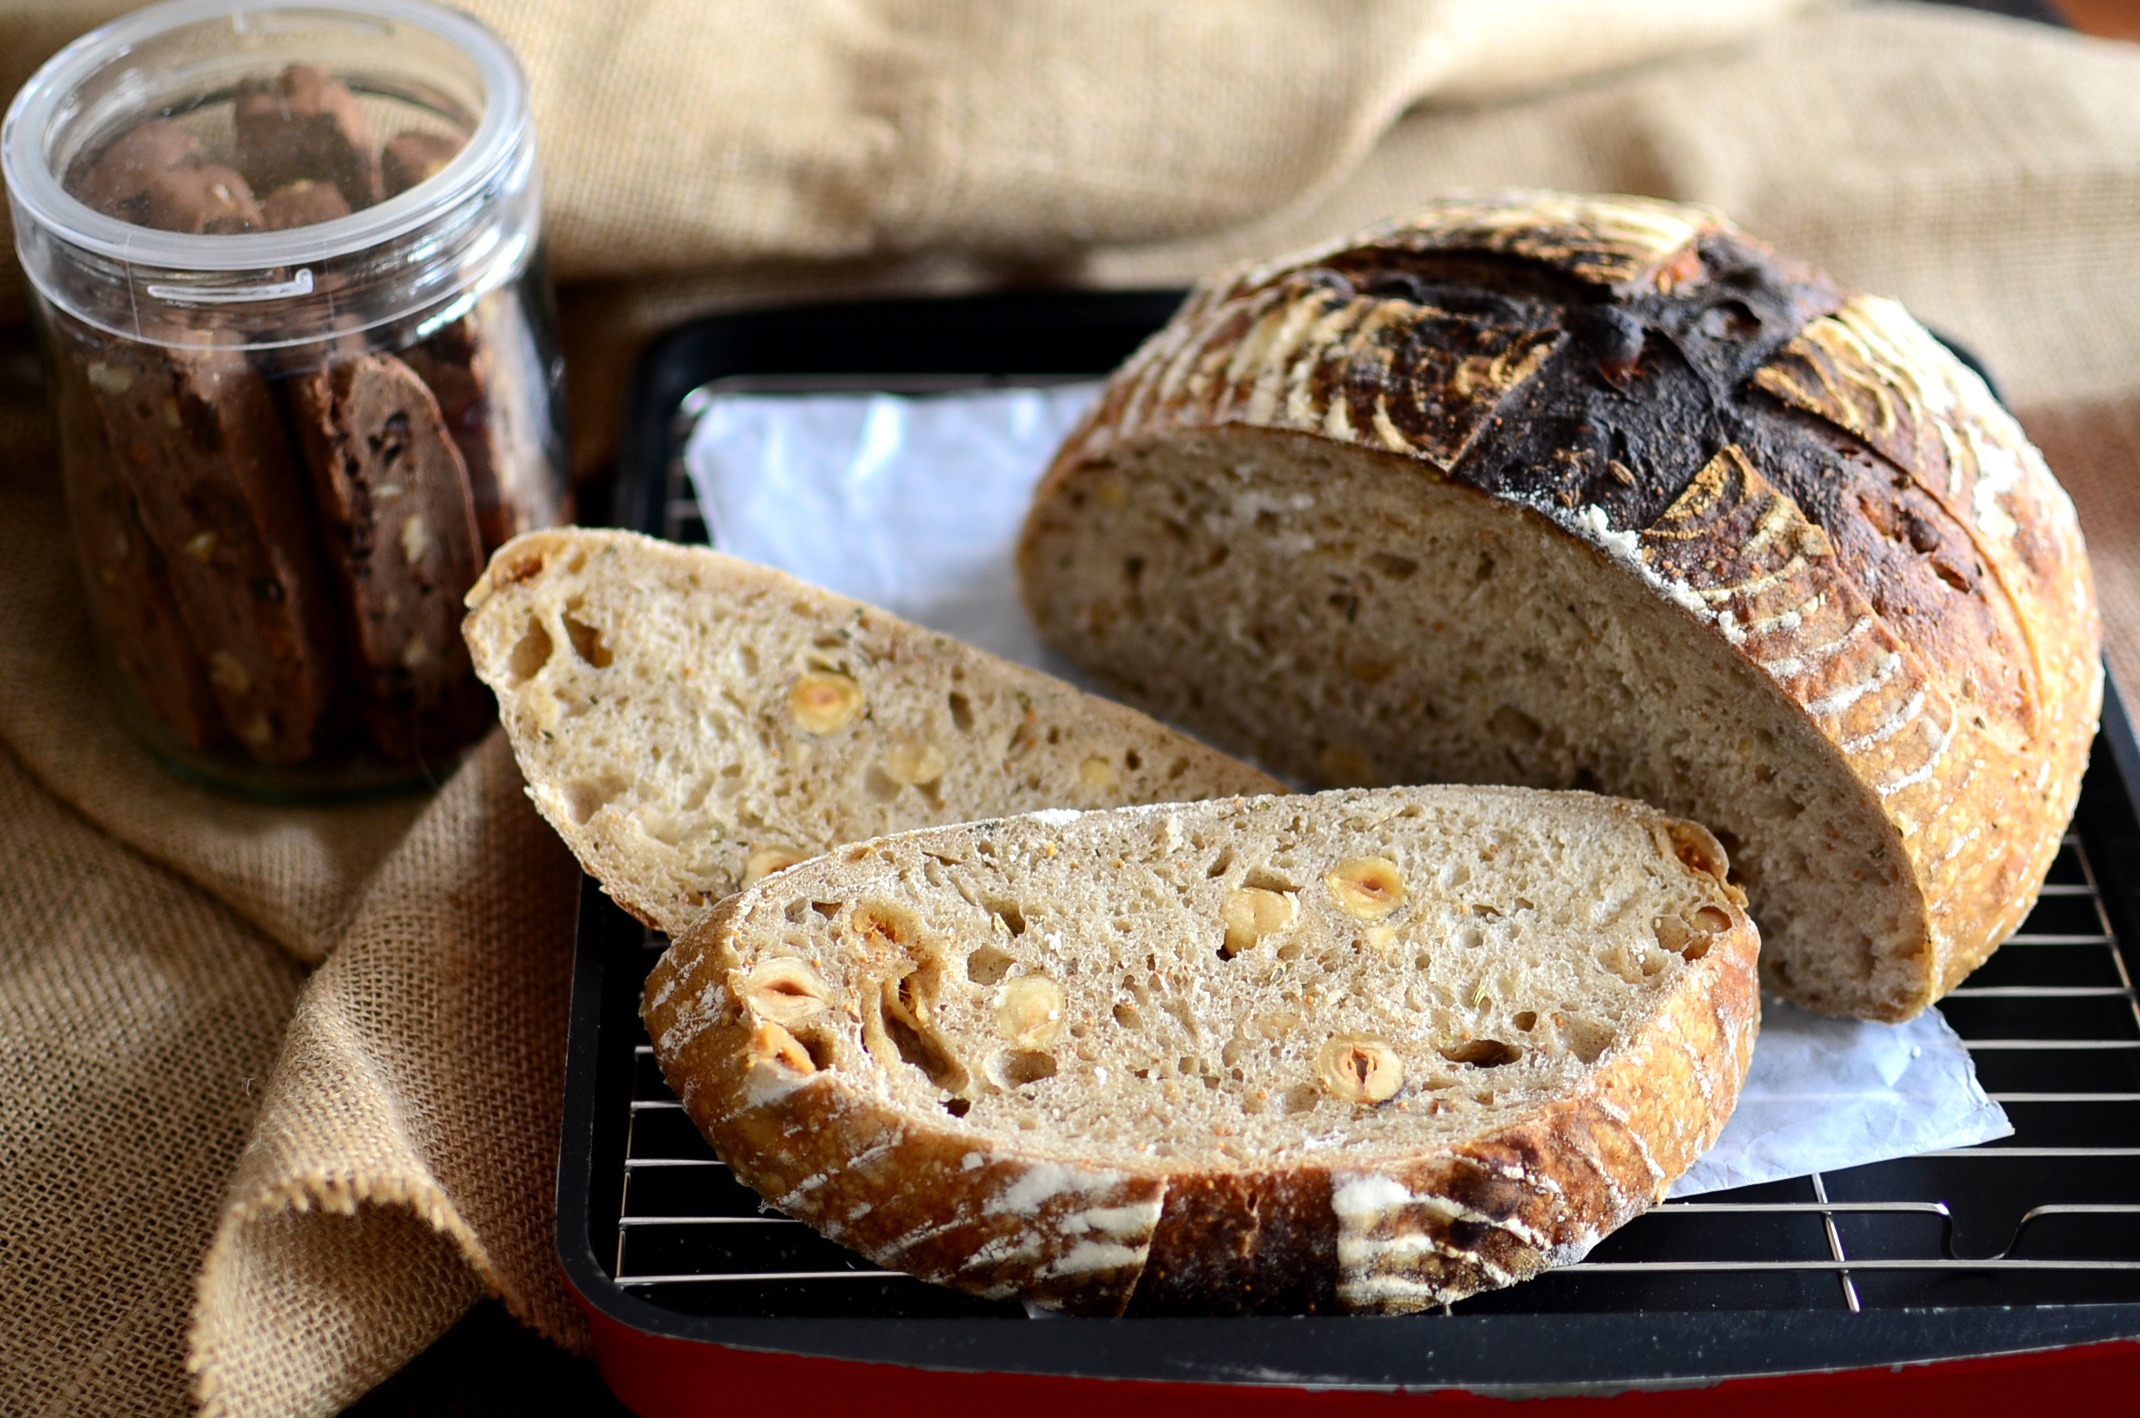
{"x":1970,"y":736}
{"x":929,"y":1198}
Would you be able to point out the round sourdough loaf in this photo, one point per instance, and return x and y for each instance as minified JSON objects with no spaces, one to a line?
{"x":1599,"y":491}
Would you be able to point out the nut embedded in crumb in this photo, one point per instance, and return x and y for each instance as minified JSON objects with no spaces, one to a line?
{"x":1030,"y":1011}
{"x":1250,"y":913}
{"x":824,"y":701}
{"x":228,"y":673}
{"x":771,"y":1044}
{"x":764,"y":861}
{"x":1344,"y":766}
{"x":913,"y":761}
{"x":1690,"y":938}
{"x":880,"y":933}
{"x":785,"y":991}
{"x":1097,"y":775}
{"x":1359,"y":1068}
{"x":1366,"y":888}
{"x":1697,"y":847}
{"x":415,"y":538}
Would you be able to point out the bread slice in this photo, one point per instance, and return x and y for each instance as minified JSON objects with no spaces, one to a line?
{"x":687,"y":721}
{"x":1366,"y":1050}
{"x":1600,"y":492}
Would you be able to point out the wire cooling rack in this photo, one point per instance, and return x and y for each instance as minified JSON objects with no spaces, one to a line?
{"x":2048,"y":1216}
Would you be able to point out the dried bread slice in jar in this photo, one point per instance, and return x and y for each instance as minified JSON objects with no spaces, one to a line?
{"x":393,"y":498}
{"x":1369,"y":1050}
{"x":1601,"y":492}
{"x":688,"y":722}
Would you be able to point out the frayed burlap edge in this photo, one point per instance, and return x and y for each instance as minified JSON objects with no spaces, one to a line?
{"x":414,"y":1110}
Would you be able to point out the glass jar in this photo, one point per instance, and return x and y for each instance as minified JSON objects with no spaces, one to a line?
{"x":303,"y":357}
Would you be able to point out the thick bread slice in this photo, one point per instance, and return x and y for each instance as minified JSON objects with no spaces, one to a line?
{"x":1369,"y":1050}
{"x":1601,"y":492}
{"x":687,"y":721}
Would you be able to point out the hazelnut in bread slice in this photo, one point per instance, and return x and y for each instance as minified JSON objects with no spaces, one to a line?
{"x":1360,"y":1051}
{"x":688,"y":722}
{"x":1601,"y":492}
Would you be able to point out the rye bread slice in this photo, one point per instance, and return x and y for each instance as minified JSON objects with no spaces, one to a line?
{"x":1602,"y":492}
{"x":1367,"y":1050}
{"x":688,"y":721}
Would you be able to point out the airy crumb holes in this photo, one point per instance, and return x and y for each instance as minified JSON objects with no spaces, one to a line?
{"x":531,"y":653}
{"x":586,"y":641}
{"x":1482,"y":1053}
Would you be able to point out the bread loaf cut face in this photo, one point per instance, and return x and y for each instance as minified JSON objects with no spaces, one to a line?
{"x":1367,"y":1050}
{"x":688,"y":722}
{"x":1598,"y":491}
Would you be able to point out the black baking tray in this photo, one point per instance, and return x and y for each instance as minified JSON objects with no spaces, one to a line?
{"x":2029,"y":1244}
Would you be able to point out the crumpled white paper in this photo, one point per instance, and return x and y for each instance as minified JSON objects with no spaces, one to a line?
{"x":915,"y":504}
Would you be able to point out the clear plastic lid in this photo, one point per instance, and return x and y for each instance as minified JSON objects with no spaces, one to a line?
{"x":421,"y":256}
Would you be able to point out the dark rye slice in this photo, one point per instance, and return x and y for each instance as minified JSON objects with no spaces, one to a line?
{"x":1362,"y":1051}
{"x":1599,"y":491}
{"x":688,"y":722}
{"x":198,"y":444}
{"x":401,"y":532}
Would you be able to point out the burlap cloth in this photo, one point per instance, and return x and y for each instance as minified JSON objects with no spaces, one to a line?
{"x":222,"y":1175}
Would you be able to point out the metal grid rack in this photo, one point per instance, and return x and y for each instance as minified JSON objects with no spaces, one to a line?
{"x":2048,"y":1216}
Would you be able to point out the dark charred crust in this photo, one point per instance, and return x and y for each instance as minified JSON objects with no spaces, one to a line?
{"x":1249,"y":1243}
{"x":1640,"y":389}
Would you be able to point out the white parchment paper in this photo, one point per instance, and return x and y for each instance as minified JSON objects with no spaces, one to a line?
{"x":915,"y":504}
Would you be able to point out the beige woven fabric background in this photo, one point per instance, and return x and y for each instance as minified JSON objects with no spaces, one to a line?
{"x":293,"y":1184}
